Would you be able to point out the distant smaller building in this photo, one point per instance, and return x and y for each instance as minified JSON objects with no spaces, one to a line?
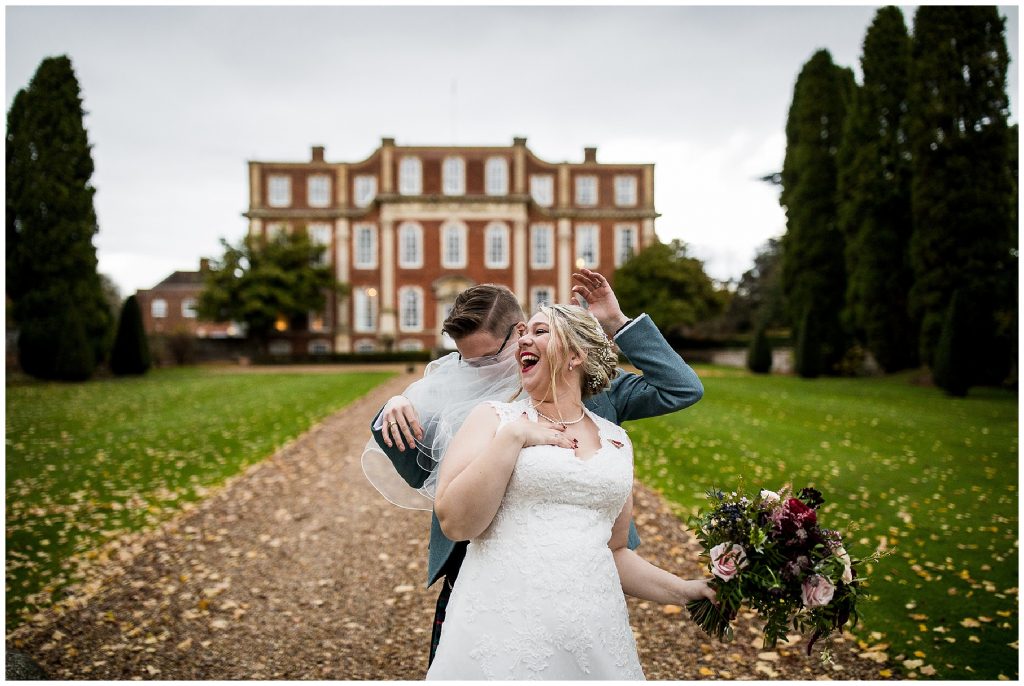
{"x":170,"y":307}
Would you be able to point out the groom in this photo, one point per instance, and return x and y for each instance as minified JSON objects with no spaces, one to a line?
{"x":483,"y":322}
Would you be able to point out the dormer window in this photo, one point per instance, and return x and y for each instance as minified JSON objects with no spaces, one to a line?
{"x":453,"y":172}
{"x":280,"y":191}
{"x":410,"y":176}
{"x":496,"y":175}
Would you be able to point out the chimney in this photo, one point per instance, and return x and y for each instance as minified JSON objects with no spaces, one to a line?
{"x":590,"y":155}
{"x":204,"y":265}
{"x":318,"y":153}
{"x":518,"y":141}
{"x":387,"y":142}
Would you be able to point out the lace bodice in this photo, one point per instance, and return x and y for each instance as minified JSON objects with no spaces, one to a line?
{"x":539,"y":595}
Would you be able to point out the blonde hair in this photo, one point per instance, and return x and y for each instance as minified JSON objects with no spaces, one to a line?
{"x":574,"y":330}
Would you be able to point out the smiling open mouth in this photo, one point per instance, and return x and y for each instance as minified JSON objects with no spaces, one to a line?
{"x":528,"y":360}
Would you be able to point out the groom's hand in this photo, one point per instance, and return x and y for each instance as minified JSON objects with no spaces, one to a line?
{"x":593,"y":288}
{"x":400,"y":421}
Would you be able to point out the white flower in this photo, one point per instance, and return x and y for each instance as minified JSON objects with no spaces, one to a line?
{"x":770,"y":496}
{"x":841,"y":553}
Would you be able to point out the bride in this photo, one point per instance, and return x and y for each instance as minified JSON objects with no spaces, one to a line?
{"x":542,"y":489}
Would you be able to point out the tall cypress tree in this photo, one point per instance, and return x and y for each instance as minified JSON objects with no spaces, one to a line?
{"x":63,"y":321}
{"x":874,"y":197}
{"x":813,"y":268}
{"x":963,"y":233}
{"x":130,"y":354}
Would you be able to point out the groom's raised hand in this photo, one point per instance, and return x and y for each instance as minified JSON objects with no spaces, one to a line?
{"x":593,"y":288}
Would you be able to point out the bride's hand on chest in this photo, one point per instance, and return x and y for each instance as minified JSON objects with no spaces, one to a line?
{"x":536,"y":433}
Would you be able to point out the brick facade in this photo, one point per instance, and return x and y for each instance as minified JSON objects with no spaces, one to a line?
{"x":168,"y":308}
{"x":410,"y":227}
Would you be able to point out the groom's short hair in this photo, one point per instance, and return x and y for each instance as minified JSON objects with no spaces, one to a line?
{"x":486,"y":307}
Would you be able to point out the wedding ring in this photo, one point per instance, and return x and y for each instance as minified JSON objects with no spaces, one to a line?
{"x":392,"y":423}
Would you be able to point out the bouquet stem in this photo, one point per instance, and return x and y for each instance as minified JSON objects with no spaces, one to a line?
{"x":711,"y":618}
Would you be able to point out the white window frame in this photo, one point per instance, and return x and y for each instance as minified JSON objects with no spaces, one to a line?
{"x":279,"y":190}
{"x":325,"y":346}
{"x":496,"y":231}
{"x":364,"y":258}
{"x":318,"y":190}
{"x":535,"y":291}
{"x":188,"y":308}
{"x":459,"y":229}
{"x":542,"y":189}
{"x":365,"y":189}
{"x":626,"y":186}
{"x":410,"y":344}
{"x":453,"y":176}
{"x":583,"y":230}
{"x":621,"y":231}
{"x":280,"y":346}
{"x":410,"y":231}
{"x":365,"y":345}
{"x":320,"y":234}
{"x":404,"y":309}
{"x":364,"y":311}
{"x":581,"y":195}
{"x":536,"y":231}
{"x":496,"y":176}
{"x":158,"y":308}
{"x":276,"y":229}
{"x":410,"y":176}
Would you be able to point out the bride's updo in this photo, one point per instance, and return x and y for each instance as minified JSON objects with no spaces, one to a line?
{"x":576,"y":331}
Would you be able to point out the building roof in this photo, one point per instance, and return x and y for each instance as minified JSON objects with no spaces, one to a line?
{"x":180,"y":278}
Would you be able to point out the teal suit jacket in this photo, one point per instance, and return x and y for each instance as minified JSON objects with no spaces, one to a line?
{"x":667,"y":384}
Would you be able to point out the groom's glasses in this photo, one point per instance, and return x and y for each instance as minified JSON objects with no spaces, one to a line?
{"x":485,"y":360}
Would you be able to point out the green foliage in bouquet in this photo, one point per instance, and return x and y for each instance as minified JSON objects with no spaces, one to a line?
{"x":767,"y":552}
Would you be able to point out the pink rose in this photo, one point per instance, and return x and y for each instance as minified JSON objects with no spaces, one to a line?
{"x":727,"y":559}
{"x":817,"y":591}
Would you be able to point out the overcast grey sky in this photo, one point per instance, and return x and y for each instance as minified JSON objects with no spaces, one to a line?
{"x":179,"y":98}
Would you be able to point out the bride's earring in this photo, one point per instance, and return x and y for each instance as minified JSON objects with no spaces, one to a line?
{"x":570,"y":366}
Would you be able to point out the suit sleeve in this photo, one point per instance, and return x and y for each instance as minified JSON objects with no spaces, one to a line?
{"x":667,"y":384}
{"x":405,"y":461}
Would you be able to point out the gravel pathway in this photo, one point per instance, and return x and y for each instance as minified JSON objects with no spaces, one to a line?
{"x":298,"y":569}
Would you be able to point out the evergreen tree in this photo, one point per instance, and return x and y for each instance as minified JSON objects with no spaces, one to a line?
{"x":759,"y":356}
{"x":58,"y":302}
{"x":130,"y":354}
{"x":874,"y":198}
{"x":262,"y":282}
{"x":808,"y":351}
{"x":954,"y":352}
{"x":813,"y":266}
{"x":963,"y":236}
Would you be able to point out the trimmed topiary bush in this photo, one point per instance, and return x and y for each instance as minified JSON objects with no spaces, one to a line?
{"x":759,"y":355}
{"x":953,"y":359}
{"x":130,"y":354}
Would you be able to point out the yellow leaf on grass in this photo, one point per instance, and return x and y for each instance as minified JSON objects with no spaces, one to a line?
{"x":885,"y":673}
{"x":671,"y":609}
{"x":704,"y":671}
{"x":969,"y":623}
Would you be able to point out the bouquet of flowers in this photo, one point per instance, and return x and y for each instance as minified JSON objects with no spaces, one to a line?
{"x":769,"y":553}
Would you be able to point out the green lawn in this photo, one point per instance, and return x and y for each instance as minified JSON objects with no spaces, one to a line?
{"x":88,"y":462}
{"x":931,"y":479}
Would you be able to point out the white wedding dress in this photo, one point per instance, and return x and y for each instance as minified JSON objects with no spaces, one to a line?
{"x":538,"y":595}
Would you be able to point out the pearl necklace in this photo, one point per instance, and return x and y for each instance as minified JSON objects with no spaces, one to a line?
{"x":558,"y":421}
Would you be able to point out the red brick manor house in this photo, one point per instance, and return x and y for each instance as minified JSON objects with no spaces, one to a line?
{"x":410,"y":227}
